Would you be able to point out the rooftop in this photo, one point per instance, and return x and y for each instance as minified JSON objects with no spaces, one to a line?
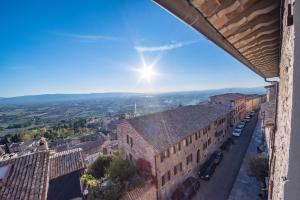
{"x":65,"y":162}
{"x":228,"y":97}
{"x":28,"y":177}
{"x":164,"y":129}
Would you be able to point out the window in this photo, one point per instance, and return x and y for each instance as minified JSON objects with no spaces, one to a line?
{"x":186,"y":142}
{"x":167,"y":153}
{"x":163,"y":181}
{"x":127,"y":139}
{"x":130,"y":156}
{"x":209,"y":142}
{"x":189,"y":159}
{"x":169,"y":175}
{"x":204,"y":145}
{"x":174,"y":149}
{"x":191,"y":140}
{"x":179,"y":146}
{"x":165,"y":177}
{"x":162,"y":157}
{"x":177,"y":168}
{"x":196,"y":136}
{"x":131,"y":142}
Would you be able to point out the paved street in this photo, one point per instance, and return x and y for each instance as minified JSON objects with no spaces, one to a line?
{"x":247,"y":187}
{"x":220,"y":185}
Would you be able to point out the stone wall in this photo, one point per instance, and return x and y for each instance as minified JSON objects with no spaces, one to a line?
{"x":280,"y":162}
{"x":165,"y":191}
{"x":139,"y":149}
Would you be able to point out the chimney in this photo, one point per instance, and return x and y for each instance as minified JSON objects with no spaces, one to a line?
{"x":43,"y":144}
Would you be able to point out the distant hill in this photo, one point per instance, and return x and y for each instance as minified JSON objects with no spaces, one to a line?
{"x":52,"y":98}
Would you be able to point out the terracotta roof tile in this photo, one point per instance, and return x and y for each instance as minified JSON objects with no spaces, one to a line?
{"x":28,"y":177}
{"x":65,"y":162}
{"x":164,"y":129}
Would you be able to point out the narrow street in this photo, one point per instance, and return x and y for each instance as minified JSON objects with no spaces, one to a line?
{"x":247,"y":187}
{"x":222,"y":181}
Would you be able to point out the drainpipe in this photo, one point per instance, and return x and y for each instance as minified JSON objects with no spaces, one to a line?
{"x":273,"y":138}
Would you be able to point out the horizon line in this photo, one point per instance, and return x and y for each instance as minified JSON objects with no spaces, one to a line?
{"x":123,"y":92}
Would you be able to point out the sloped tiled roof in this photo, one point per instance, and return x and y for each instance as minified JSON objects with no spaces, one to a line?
{"x":138,"y":192}
{"x":228,"y":97}
{"x":65,"y":162}
{"x":164,"y":129}
{"x":28,"y":179}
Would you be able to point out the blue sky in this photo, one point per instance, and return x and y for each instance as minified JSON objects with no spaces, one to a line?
{"x":94,"y":46}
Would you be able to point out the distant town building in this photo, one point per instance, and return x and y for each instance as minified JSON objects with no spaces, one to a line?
{"x":253,"y":102}
{"x":236,"y":101}
{"x":171,"y":144}
{"x":23,"y":148}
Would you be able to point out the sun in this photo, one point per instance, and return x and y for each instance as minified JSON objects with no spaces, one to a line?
{"x":146,"y":73}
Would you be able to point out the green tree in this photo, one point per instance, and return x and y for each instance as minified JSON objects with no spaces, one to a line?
{"x":112,"y":191}
{"x":259,"y":167}
{"x":88,"y":179}
{"x":26,"y":136}
{"x":99,"y":167}
{"x":121,"y":169}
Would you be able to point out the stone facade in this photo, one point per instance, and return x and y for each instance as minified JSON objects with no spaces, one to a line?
{"x":280,"y":161}
{"x":198,"y":146}
{"x":253,"y":102}
{"x":267,"y":117}
{"x":171,"y":166}
{"x":238,"y":103}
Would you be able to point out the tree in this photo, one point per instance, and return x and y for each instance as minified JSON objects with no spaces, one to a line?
{"x":99,"y":167}
{"x":88,"y":179}
{"x":259,"y":167}
{"x":121,"y":169}
{"x":111,"y":191}
{"x":26,"y":136}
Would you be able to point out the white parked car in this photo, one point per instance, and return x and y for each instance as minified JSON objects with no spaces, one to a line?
{"x":247,"y":118}
{"x":240,"y":126}
{"x":237,"y":132}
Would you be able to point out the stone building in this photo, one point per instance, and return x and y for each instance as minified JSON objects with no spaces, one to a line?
{"x":171,"y":144}
{"x":264,"y":36}
{"x":236,"y":101}
{"x":267,"y":116}
{"x":253,"y":102}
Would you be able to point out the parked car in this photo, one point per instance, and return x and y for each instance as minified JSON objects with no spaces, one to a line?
{"x":243,"y":122}
{"x":218,"y":156}
{"x":207,"y":173}
{"x":247,"y":118}
{"x":187,"y":190}
{"x":226,"y":145}
{"x":240,"y":126}
{"x":237,"y":132}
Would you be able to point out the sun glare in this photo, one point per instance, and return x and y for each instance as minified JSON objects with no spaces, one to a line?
{"x":146,"y":73}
